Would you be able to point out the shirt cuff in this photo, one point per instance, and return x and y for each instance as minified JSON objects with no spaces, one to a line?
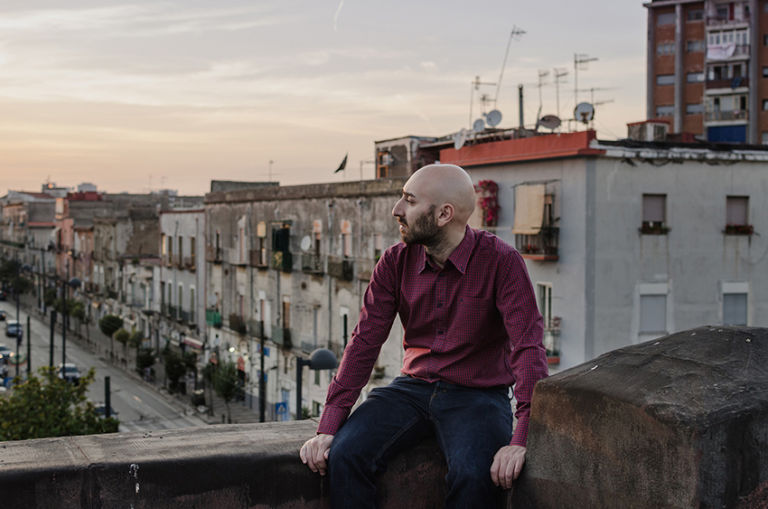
{"x":332,"y":419}
{"x":520,"y":436}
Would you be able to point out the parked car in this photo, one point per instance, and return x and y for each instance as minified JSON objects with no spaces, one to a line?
{"x":3,"y":314}
{"x":5,"y":351}
{"x":70,"y":373}
{"x":13,"y":329}
{"x":101,"y":410}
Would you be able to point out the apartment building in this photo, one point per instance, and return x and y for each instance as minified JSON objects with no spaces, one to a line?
{"x":707,"y":68}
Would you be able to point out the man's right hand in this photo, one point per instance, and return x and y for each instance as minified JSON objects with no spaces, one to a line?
{"x":314,"y":453}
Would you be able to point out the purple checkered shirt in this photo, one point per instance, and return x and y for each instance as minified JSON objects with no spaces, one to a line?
{"x":474,"y":323}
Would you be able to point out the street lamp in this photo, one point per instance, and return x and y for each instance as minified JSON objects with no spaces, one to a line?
{"x":320,"y":359}
{"x":75,"y":284}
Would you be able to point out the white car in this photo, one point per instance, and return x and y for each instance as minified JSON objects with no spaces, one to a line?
{"x":70,"y":373}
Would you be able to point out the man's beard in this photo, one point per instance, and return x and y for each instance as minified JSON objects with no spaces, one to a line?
{"x":424,"y":230}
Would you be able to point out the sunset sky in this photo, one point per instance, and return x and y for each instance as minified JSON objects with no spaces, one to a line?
{"x":143,"y":95}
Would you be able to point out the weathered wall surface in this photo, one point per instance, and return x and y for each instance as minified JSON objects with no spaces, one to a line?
{"x":234,"y":466}
{"x":681,"y":421}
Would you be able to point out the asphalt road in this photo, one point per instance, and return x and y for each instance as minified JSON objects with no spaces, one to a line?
{"x":138,"y":405}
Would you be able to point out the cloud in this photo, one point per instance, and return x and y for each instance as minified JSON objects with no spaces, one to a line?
{"x":428,"y":66}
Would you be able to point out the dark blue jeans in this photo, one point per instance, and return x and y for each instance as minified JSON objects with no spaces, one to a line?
{"x":470,"y":426}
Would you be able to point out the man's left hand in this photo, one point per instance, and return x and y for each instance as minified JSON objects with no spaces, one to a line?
{"x":507,"y":464}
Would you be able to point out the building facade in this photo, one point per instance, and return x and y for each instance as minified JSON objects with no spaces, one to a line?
{"x":707,"y":68}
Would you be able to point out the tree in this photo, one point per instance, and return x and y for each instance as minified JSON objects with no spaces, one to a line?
{"x":10,"y":274}
{"x":225,"y":383}
{"x":122,"y":336}
{"x":109,"y":324}
{"x":175,"y":368}
{"x":145,"y":358}
{"x":48,"y":406}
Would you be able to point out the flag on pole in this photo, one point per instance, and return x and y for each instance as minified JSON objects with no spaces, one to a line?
{"x":343,"y":164}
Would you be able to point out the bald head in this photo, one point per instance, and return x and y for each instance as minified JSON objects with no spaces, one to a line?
{"x":447,"y":183}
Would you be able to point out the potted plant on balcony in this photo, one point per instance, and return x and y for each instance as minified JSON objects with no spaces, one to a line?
{"x":488,"y":201}
{"x":739,"y":229}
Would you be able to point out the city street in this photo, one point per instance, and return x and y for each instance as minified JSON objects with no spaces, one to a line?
{"x":139,"y":406}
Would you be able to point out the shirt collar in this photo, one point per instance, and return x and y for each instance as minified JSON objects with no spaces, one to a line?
{"x":459,"y":257}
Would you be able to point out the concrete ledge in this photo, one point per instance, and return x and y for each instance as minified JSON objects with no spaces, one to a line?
{"x":681,"y":421}
{"x":223,"y":467}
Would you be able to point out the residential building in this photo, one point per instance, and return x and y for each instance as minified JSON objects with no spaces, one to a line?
{"x":625,"y":240}
{"x":707,"y":68}
{"x":291,"y":264}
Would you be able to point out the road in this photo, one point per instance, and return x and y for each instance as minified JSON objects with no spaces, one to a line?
{"x":139,"y":406}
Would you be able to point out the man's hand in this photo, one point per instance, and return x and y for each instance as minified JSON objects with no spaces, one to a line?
{"x":507,"y":464}
{"x":314,"y":453}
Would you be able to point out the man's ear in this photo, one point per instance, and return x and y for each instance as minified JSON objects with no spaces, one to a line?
{"x":445,"y":214}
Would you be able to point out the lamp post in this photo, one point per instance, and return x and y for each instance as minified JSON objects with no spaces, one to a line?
{"x":74,"y":283}
{"x":320,"y":359}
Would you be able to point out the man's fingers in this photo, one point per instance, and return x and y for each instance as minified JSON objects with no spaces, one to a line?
{"x":495,"y":470}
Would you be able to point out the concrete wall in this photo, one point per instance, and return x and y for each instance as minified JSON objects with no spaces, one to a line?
{"x":681,"y":421}
{"x":693,"y":260}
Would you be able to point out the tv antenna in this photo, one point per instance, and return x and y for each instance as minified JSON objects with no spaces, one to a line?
{"x":558,"y":73}
{"x":580,"y":61}
{"x":515,"y":34}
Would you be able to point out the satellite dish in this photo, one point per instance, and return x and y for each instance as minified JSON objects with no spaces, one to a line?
{"x":584,"y":112}
{"x":478,"y":125}
{"x":459,"y":139}
{"x":493,"y":118}
{"x":551,"y":122}
{"x":306,"y":243}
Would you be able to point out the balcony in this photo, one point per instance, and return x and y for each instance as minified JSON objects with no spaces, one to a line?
{"x":184,"y":316}
{"x":729,"y":83}
{"x":721,"y":21}
{"x":727,"y":52}
{"x":213,"y":318}
{"x":311,"y":263}
{"x":716,"y":116}
{"x":213,"y":254}
{"x":189,"y":263}
{"x":342,"y":269}
{"x":653,"y":228}
{"x":542,"y":246}
{"x":172,"y":312}
{"x":258,"y":258}
{"x":282,"y":260}
{"x":282,"y":336}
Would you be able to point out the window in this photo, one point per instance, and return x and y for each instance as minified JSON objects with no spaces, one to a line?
{"x":695,"y":14}
{"x":765,"y":39}
{"x":163,"y":240}
{"x":346,"y":237}
{"x":764,"y":137}
{"x":654,"y":214}
{"x":170,"y":249}
{"x":694,"y":77}
{"x":192,"y":251}
{"x":735,"y":300}
{"x":544,"y":297}
{"x":765,"y":72}
{"x":180,"y":300}
{"x":192,"y":305}
{"x":653,"y":314}
{"x":665,"y":48}
{"x":736,"y":214}
{"x":665,"y":79}
{"x":666,"y":18}
{"x":665,"y":111}
{"x":162,"y":297}
{"x":722,"y":11}
{"x":286,"y":313}
{"x":261,"y":233}
{"x":181,"y":249}
{"x":694,"y":109}
{"x":694,"y":46}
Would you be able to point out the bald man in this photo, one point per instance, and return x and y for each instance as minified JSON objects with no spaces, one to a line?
{"x":472,"y":330}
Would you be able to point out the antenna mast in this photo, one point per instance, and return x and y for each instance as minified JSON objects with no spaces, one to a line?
{"x":579,"y":59}
{"x":516,"y":33}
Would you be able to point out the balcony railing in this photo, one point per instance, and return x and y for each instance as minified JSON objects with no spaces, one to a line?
{"x":341,"y":269}
{"x":741,"y":81}
{"x":213,"y":254}
{"x":184,"y":316}
{"x":258,"y":258}
{"x":213,"y":318}
{"x":282,"y":260}
{"x":717,"y":21}
{"x":726,"y":115}
{"x":312,"y":263}
{"x":172,"y":312}
{"x":189,"y":263}
{"x":542,"y":246}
